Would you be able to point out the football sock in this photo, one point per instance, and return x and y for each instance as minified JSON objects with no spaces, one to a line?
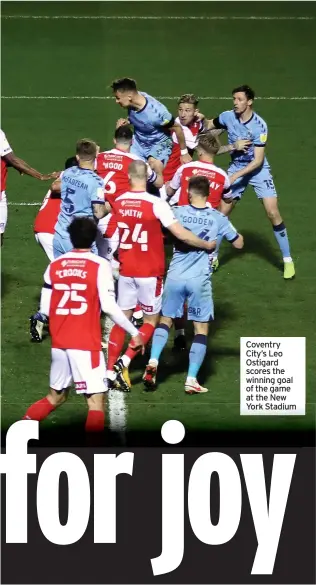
{"x":39,"y":410}
{"x":283,"y":241}
{"x":197,"y":355}
{"x":160,"y":339}
{"x":40,"y":317}
{"x":95,"y":421}
{"x":146,"y":331}
{"x":115,"y":345}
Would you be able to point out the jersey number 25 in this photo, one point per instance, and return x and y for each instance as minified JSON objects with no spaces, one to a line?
{"x":71,"y":293}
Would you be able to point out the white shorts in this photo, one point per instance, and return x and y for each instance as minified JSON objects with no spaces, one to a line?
{"x":85,"y":368}
{"x":46,"y":241}
{"x":147,"y":292}
{"x":3,"y":213}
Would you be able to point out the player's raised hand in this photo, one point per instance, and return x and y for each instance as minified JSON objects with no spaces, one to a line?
{"x":137,"y":343}
{"x":242,"y":145}
{"x":185,"y":158}
{"x":199,"y":115}
{"x":122,"y":122}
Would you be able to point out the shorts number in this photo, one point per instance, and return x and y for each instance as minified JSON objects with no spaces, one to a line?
{"x":71,"y":293}
{"x":269,"y":184}
{"x":68,"y":202}
{"x":138,"y":236}
{"x":109,"y":186}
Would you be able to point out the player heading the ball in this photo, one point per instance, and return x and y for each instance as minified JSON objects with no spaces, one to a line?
{"x":153,"y":124}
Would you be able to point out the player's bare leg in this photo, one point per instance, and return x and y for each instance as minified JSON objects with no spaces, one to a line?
{"x":122,"y":365}
{"x":159,"y":341}
{"x":196,"y":357}
{"x":96,"y":413}
{"x":156,"y":165}
{"x":279,"y":229}
{"x":42,"y":408}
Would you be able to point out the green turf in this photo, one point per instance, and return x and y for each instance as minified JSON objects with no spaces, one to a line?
{"x":80,"y":58}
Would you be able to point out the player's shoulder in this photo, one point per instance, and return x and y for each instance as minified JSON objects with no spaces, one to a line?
{"x":228,"y":115}
{"x":259,"y":121}
{"x":217,"y":215}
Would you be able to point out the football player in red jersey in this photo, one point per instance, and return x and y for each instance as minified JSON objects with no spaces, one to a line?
{"x":77,"y":285}
{"x":9,"y":159}
{"x":112,"y":165}
{"x":139,"y":218}
{"x":207,"y":147}
{"x":192,"y":125}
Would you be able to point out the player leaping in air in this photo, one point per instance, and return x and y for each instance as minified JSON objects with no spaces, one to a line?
{"x":251,"y":167}
{"x":153,"y":124}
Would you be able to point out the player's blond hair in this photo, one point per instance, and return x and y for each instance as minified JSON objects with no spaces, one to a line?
{"x":188,"y":98}
{"x":137,"y":170}
{"x":209,"y":143}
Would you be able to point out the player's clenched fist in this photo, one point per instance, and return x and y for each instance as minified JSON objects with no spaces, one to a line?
{"x":122,"y":122}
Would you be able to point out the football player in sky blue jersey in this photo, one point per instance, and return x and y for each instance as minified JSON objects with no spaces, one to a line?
{"x":153,"y":124}
{"x":250,"y":166}
{"x":188,"y":279}
{"x":82,"y":194}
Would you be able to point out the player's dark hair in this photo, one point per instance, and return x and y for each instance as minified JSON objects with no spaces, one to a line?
{"x":124,"y":84}
{"x":123,"y":134}
{"x":249,"y":93}
{"x":71,"y":162}
{"x":83,"y":232}
{"x":86,"y":149}
{"x":188,"y":98}
{"x":209,"y":142}
{"x":199,"y":186}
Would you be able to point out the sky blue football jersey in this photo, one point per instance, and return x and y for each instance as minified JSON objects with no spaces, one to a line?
{"x":149,"y":123}
{"x":80,"y":188}
{"x":255,"y":130}
{"x":207,"y":224}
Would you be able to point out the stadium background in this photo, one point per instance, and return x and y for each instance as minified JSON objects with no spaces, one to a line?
{"x":72,"y":58}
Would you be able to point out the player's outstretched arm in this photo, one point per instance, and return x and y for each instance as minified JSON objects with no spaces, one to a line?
{"x":20,"y":165}
{"x":191,"y":239}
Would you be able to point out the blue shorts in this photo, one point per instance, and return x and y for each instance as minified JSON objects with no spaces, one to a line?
{"x":261,"y":180}
{"x":198,"y":294}
{"x":160,"y":151}
{"x":63,"y":245}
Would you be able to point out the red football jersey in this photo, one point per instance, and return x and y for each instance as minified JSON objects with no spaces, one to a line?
{"x":81,"y":283}
{"x":5,"y":148}
{"x":191,"y":133}
{"x":139,"y":217}
{"x":112,"y":167}
{"x":47,"y":216}
{"x":219,"y":181}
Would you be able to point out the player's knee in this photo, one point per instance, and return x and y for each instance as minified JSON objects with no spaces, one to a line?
{"x":151,"y":319}
{"x":200,"y":328}
{"x":57,"y":397}
{"x":273,"y":214}
{"x":96,"y":401}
